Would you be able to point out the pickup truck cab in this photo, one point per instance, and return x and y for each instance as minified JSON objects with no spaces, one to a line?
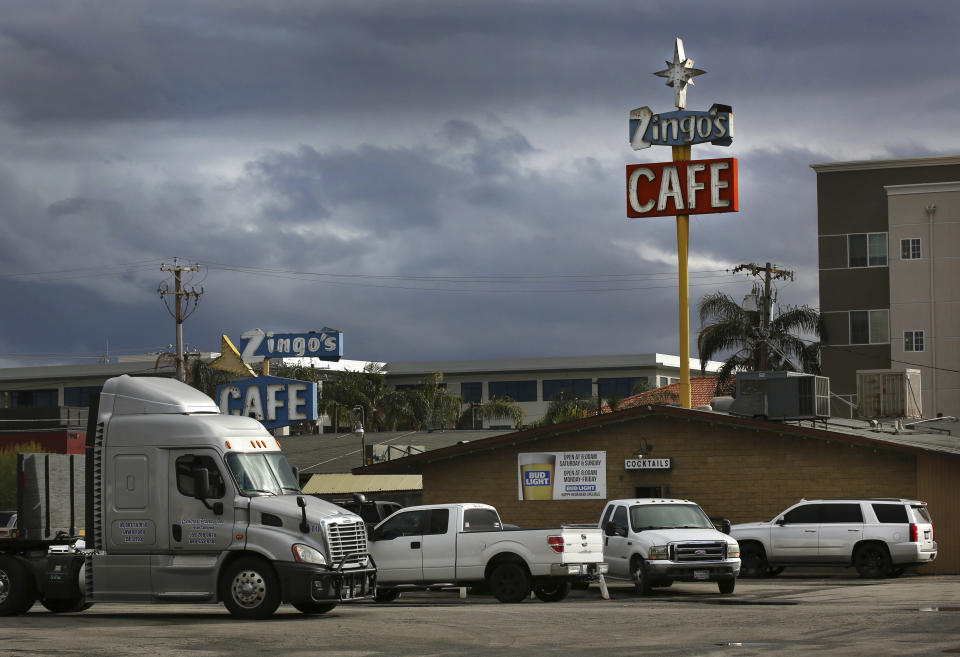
{"x":655,"y":542}
{"x":466,"y":545}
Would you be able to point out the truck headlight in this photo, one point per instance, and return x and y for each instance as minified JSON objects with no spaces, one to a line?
{"x":306,"y":554}
{"x":733,"y":551}
{"x":659,"y":552}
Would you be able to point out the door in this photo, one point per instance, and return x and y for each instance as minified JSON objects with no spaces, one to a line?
{"x":795,"y":539}
{"x":397,"y":547}
{"x":199,"y":525}
{"x":199,"y":529}
{"x":617,"y":547}
{"x":841,"y":526}
{"x":439,"y":564}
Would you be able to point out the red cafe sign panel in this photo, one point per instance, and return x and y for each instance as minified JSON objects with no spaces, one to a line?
{"x":664,"y":189}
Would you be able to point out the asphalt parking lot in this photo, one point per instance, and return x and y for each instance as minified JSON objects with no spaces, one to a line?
{"x":791,"y":614}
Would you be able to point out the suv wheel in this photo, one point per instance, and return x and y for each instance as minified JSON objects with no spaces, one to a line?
{"x":872,"y":561}
{"x":753,"y":561}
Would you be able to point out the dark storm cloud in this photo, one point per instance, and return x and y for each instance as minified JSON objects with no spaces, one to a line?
{"x":433,"y":142}
{"x":95,"y":61}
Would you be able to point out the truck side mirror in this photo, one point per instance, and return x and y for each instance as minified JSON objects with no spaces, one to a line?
{"x":610,"y":529}
{"x":780,"y":521}
{"x":725,"y":525}
{"x":201,"y":483}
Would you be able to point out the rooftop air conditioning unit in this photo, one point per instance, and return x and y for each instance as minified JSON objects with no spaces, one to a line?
{"x":782,"y":396}
{"x":889,"y":393}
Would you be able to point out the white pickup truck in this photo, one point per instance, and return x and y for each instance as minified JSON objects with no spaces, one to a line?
{"x":466,"y":545}
{"x":655,"y":542}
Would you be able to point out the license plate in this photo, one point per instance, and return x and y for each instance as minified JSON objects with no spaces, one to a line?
{"x":701,"y":574}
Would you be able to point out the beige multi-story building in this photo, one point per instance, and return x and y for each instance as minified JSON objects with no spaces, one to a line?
{"x":889,"y":260}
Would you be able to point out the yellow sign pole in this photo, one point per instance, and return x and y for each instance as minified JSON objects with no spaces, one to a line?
{"x":682,"y":154}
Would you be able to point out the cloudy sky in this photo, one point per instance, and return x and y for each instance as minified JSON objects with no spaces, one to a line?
{"x":437,"y":179}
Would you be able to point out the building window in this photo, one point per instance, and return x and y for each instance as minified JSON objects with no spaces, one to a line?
{"x":913,"y":340}
{"x":869,"y":326}
{"x":518,"y":391}
{"x":621,"y":386}
{"x":80,"y":396}
{"x":34,"y":398}
{"x":471,"y":393}
{"x":570,"y":388}
{"x":867,"y":250}
{"x":910,"y":248}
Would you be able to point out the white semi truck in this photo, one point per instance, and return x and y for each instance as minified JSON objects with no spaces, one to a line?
{"x":182,"y":504}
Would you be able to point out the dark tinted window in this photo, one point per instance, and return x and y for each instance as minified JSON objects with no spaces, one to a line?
{"x":186,"y":465}
{"x":519,"y":391}
{"x":808,"y":513}
{"x":410,"y":523}
{"x":471,"y":392}
{"x":481,"y":520}
{"x":439,"y":521}
{"x":606,"y":516}
{"x":622,"y":386}
{"x":570,"y":388}
{"x":840,"y":513}
{"x":893,"y":513}
{"x":620,"y":519}
{"x":80,"y":396}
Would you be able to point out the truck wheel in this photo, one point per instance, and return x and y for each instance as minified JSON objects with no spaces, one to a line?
{"x":65,"y":605}
{"x":753,"y":561}
{"x":641,"y":582}
{"x":17,"y":590}
{"x":552,"y":591}
{"x":314,"y":607}
{"x":386,"y":595}
{"x":250,"y":589}
{"x":509,"y":582}
{"x":727,"y":585}
{"x":871,"y":561}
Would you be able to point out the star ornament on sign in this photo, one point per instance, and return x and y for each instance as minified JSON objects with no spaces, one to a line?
{"x":679,"y":73}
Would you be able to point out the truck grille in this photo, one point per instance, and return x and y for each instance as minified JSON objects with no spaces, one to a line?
{"x":345,"y":538}
{"x":698,"y":551}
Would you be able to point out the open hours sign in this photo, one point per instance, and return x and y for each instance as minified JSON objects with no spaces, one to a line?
{"x":664,"y":189}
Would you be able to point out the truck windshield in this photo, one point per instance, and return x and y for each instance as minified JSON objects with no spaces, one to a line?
{"x":668,"y":516}
{"x":264,"y":473}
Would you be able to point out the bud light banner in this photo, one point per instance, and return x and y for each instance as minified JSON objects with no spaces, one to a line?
{"x":562,"y":475}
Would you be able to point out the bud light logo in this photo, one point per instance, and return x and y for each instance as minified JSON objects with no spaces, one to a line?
{"x":537,"y":478}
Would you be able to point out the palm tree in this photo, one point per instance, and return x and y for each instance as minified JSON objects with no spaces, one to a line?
{"x":564,"y":407}
{"x":503,"y":408}
{"x":728,"y":328}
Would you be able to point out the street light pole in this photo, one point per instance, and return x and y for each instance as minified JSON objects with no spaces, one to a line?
{"x":359,"y":432}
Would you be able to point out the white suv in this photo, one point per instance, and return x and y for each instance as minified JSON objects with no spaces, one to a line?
{"x":879,"y":537}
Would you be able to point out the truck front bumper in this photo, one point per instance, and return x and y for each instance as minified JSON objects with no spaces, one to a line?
{"x":581,"y":571}
{"x":693,"y":572}
{"x":302,"y":582}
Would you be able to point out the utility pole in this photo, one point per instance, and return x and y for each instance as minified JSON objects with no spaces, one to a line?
{"x":770,"y":272}
{"x":182,"y":306}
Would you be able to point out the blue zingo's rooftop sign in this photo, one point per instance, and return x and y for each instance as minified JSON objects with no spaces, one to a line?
{"x":256,"y":345}
{"x":274,"y":401}
{"x":681,"y":128}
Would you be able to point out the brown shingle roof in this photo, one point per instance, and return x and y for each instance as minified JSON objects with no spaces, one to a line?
{"x":702,"y":391}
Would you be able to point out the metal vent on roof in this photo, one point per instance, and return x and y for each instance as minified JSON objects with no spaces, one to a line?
{"x":782,"y":396}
